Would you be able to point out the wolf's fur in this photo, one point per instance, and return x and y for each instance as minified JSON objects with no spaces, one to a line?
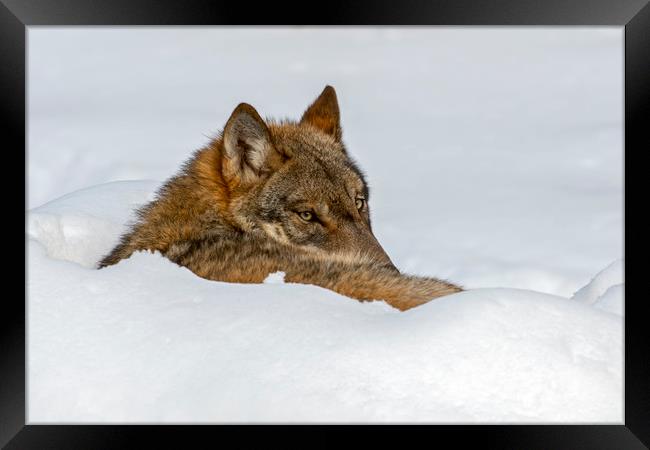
{"x":276,"y":196}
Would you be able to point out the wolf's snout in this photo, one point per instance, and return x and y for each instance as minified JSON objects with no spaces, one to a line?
{"x":367,"y":243}
{"x":382,"y":257}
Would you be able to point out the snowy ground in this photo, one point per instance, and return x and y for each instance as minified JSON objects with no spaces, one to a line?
{"x":495,"y":160}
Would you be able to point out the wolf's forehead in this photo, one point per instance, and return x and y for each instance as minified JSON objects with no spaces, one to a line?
{"x":304,"y":139}
{"x":308,"y":171}
{"x":338,"y":171}
{"x":318,"y":157}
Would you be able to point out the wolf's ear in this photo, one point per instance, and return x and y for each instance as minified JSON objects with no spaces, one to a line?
{"x":324,"y":113}
{"x":249,"y":152}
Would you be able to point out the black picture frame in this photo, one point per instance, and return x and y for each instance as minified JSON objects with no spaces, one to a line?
{"x":634,"y":15}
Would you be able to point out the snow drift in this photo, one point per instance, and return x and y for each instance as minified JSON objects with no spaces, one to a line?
{"x":148,"y":341}
{"x":605,"y":290}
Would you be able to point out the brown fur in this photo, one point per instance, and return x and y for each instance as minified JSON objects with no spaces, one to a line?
{"x":276,"y":196}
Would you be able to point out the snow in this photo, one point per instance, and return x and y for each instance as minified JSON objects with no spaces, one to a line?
{"x":70,"y":228}
{"x":148,"y":341}
{"x":605,"y":290}
{"x":275,"y":278}
{"x":612,"y":300}
{"x":494,"y":157}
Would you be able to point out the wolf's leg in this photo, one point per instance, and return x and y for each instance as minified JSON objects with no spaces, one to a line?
{"x":400,"y":291}
{"x":375,"y":283}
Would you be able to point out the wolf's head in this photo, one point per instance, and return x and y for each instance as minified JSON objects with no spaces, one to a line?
{"x":295,"y":182}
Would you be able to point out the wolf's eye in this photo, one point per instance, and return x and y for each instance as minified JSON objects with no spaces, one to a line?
{"x":360,"y":202}
{"x":306,"y":215}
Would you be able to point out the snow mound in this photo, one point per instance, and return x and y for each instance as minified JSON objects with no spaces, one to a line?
{"x":605,"y":290}
{"x":85,"y":225}
{"x":275,"y":277}
{"x":148,"y":341}
{"x":612,"y":300}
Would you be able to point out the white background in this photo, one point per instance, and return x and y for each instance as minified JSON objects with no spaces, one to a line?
{"x":494,"y":155}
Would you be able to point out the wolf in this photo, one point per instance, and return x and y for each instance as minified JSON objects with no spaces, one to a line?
{"x":268,"y":196}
